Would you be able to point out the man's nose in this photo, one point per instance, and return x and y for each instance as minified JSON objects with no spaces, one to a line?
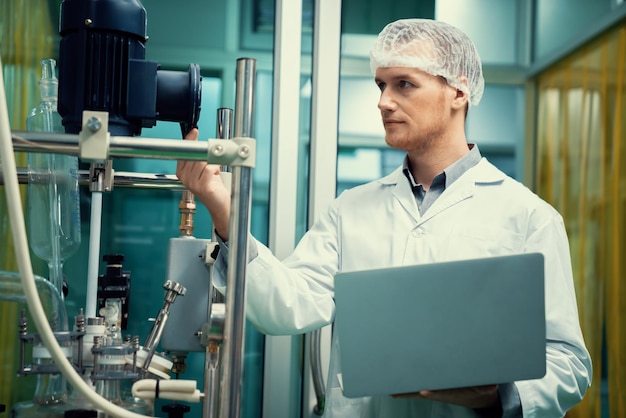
{"x":386,"y":102}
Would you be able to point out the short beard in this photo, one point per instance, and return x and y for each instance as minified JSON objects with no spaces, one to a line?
{"x":425,"y":141}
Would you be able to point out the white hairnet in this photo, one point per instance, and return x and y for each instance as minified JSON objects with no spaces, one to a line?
{"x":435,"y":47}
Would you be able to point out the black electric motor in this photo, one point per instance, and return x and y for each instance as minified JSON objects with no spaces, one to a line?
{"x":102,"y":67}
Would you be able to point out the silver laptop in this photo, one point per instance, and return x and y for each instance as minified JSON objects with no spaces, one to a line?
{"x":442,"y":325}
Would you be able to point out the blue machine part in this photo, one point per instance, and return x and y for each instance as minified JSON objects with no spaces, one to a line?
{"x":102,"y":67}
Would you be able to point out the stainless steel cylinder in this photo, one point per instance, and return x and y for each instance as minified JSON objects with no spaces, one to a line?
{"x":232,"y":351}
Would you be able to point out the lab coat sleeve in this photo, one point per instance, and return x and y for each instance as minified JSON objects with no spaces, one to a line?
{"x":221,"y":262}
{"x":568,"y":368}
{"x":296,"y":295}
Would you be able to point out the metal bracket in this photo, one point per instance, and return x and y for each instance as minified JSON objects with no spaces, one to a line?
{"x":212,"y":332}
{"x":233,"y":152}
{"x":94,"y":137}
{"x":101,"y":176}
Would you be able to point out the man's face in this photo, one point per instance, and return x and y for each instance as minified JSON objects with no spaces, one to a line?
{"x":414,"y":105}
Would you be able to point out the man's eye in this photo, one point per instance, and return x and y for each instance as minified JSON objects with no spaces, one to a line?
{"x":382,"y":86}
{"x":404,"y":84}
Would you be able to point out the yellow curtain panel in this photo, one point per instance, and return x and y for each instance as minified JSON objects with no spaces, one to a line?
{"x":581,"y":170}
{"x":27,"y":35}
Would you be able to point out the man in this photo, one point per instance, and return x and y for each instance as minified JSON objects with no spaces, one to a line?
{"x":445,"y":203}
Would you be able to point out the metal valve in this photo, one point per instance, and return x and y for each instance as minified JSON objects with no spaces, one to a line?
{"x":173,"y":290}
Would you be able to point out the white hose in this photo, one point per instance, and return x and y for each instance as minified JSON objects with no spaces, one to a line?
{"x":94,"y":255}
{"x":173,"y":390}
{"x":16,"y":217}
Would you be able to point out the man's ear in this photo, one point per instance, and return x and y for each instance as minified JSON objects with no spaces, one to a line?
{"x":461,"y":99}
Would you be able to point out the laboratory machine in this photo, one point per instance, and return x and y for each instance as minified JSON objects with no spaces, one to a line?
{"x":106,"y":92}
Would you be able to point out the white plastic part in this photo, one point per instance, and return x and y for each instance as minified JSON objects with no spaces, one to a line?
{"x":92,"y":330}
{"x":110,"y":312}
{"x":159,"y":365}
{"x":94,"y":138}
{"x":109,"y":360}
{"x":95,"y":227}
{"x":18,"y":228}
{"x":40,"y":351}
{"x":432,"y":46}
{"x":210,"y":249}
{"x":175,"y":390}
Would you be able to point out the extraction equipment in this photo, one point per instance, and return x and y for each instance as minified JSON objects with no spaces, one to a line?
{"x":237,"y":153}
{"x":107,"y":93}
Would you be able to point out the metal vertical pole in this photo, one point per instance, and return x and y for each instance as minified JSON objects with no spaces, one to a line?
{"x":232,"y":370}
{"x":210,"y":406}
{"x":224,"y":123}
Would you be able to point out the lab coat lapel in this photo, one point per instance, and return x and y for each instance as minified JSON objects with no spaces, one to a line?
{"x":460,"y":190}
{"x":464,"y":188}
{"x":403,"y":194}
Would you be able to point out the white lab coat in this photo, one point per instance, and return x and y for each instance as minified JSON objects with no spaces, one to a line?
{"x":483,"y":213}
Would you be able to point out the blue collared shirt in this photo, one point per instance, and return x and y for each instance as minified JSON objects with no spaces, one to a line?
{"x":425,"y":198}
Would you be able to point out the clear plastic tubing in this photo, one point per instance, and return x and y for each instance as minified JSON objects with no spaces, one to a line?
{"x":54,"y":209}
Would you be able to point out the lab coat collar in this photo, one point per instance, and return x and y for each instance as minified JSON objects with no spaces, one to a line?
{"x":482,"y":173}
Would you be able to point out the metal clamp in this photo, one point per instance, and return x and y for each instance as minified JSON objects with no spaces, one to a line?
{"x":94,"y":137}
{"x":101,"y":176}
{"x":235,"y":152}
{"x":213,"y":331}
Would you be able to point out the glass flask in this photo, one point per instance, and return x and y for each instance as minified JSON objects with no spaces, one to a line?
{"x":49,"y":400}
{"x":111,"y":389}
{"x":11,"y":291}
{"x":54,"y":210}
